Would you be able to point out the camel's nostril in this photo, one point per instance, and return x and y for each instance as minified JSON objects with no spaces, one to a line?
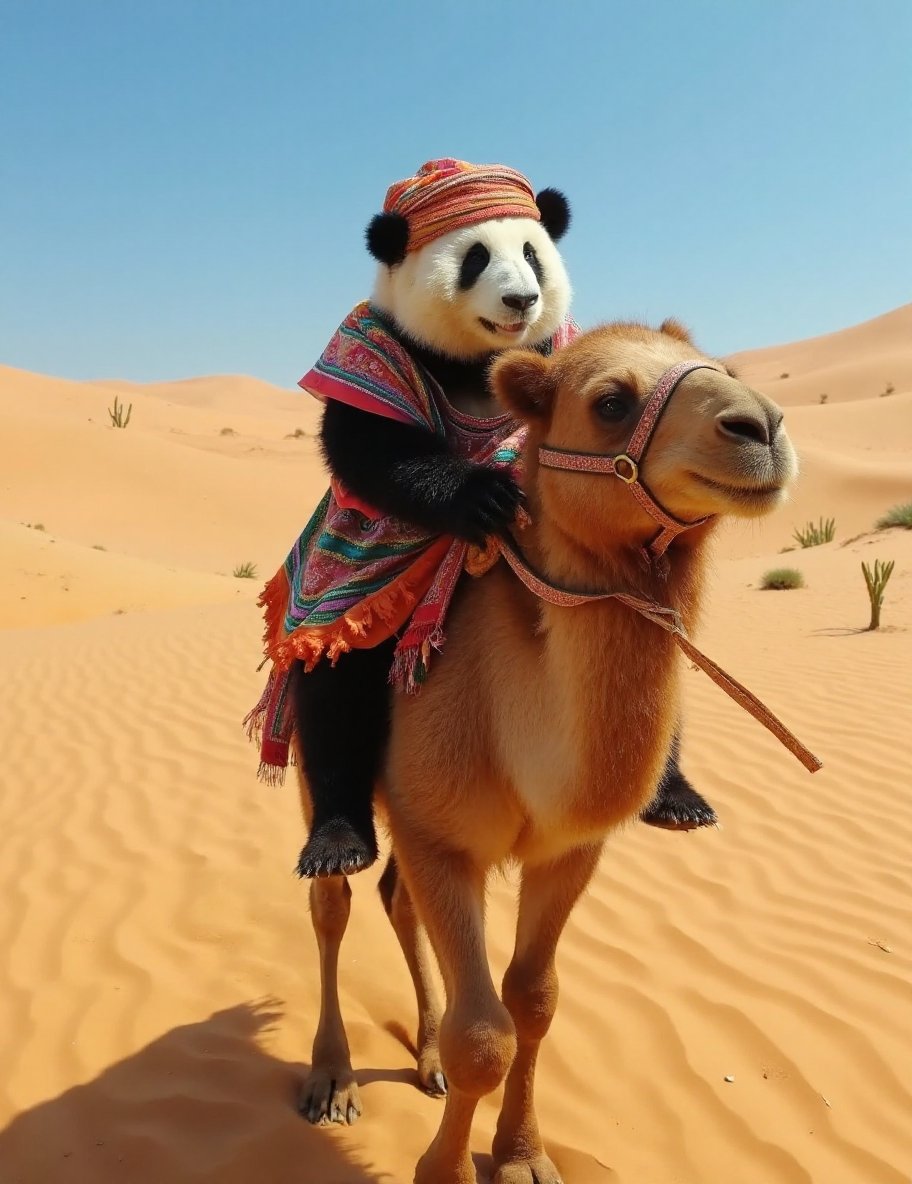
{"x":745,"y":427}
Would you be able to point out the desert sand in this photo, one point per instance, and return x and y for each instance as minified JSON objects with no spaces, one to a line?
{"x":159,"y":987}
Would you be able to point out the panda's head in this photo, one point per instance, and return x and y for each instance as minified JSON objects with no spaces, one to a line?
{"x":467,"y":292}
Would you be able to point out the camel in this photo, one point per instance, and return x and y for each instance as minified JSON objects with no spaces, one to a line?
{"x":548,"y":716}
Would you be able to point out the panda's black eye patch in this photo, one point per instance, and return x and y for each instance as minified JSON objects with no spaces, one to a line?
{"x":533,"y":260}
{"x":475,"y":260}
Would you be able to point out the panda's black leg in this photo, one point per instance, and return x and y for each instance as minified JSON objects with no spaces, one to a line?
{"x":343,"y":715}
{"x":677,"y":805}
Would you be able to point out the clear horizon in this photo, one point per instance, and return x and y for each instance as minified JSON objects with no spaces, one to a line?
{"x":186,"y":189}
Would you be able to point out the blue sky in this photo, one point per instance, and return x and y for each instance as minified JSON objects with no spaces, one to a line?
{"x":184,"y":185}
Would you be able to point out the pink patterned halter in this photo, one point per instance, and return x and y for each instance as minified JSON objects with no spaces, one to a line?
{"x":626,"y":465}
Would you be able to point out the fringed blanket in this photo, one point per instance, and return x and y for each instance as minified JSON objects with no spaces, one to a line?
{"x":355,"y":578}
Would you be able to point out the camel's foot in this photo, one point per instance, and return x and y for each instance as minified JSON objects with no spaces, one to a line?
{"x":678,"y":806}
{"x":432,"y":1169}
{"x":430,"y":1072}
{"x":539,"y":1170}
{"x":330,"y":1095}
{"x":335,"y":848}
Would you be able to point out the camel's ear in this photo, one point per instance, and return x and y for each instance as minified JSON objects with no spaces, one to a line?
{"x":673,"y":328}
{"x":523,"y":383}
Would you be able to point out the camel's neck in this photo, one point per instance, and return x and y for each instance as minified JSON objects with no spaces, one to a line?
{"x":611,"y":675}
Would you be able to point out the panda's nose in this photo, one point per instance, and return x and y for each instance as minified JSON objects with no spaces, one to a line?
{"x":520,"y":303}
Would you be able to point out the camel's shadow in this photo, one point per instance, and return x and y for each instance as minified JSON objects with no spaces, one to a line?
{"x":203,"y":1102}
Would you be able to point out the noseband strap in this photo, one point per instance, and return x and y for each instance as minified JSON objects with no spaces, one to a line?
{"x":626,"y":465}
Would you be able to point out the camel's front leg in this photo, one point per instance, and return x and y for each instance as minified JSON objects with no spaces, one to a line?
{"x":477,"y":1039}
{"x":330,"y":1093}
{"x":548,"y":894}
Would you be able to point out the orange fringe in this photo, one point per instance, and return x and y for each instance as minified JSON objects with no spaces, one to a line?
{"x":370,"y":622}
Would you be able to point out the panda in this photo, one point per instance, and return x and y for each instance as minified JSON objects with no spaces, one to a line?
{"x":466,"y":269}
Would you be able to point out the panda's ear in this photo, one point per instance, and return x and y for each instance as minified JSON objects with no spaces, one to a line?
{"x":387,"y":238}
{"x":555,"y":212}
{"x":523,"y":382}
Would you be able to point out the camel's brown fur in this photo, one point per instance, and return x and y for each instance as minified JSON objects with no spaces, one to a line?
{"x":544,"y":728}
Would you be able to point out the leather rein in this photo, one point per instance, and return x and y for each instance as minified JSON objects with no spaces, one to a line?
{"x":626,"y":467}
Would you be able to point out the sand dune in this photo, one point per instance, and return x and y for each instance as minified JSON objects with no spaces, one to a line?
{"x":159,"y":989}
{"x":858,"y":363}
{"x":171,"y":487}
{"x":49,"y":581}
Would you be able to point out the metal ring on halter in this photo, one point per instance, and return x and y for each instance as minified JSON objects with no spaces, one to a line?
{"x":634,"y":469}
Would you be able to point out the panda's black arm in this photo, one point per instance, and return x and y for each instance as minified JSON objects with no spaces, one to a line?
{"x":408,"y":473}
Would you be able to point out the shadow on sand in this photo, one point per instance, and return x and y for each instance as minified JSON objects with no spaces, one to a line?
{"x":204,"y":1102}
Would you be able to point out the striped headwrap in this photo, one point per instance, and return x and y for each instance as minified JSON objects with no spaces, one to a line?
{"x":447,"y":194}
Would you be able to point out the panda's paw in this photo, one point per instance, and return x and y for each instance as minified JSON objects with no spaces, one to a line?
{"x":488,"y":504}
{"x":679,"y":807}
{"x":336,"y":848}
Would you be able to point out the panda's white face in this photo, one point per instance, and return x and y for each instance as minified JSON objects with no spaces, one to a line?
{"x":484,"y":288}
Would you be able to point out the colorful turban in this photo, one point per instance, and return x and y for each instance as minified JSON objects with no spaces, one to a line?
{"x":446,"y":195}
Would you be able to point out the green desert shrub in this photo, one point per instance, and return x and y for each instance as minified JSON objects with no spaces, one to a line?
{"x":781,"y":578}
{"x":898,"y":516}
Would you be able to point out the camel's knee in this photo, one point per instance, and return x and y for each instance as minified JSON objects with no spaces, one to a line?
{"x":330,"y":906}
{"x":531,"y":999}
{"x":477,"y":1048}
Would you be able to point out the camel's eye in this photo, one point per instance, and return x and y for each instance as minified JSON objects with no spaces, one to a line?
{"x":612,"y":408}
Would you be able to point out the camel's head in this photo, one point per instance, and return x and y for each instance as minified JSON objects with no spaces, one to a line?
{"x":718,"y":448}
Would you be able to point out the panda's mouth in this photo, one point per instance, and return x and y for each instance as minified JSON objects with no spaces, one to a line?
{"x":493,"y":327}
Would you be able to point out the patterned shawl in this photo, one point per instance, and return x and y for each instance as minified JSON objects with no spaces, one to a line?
{"x":355,"y":578}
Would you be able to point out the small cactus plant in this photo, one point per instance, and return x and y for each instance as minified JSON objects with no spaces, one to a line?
{"x":118,"y":418}
{"x":813,"y":536}
{"x":876,"y":581}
